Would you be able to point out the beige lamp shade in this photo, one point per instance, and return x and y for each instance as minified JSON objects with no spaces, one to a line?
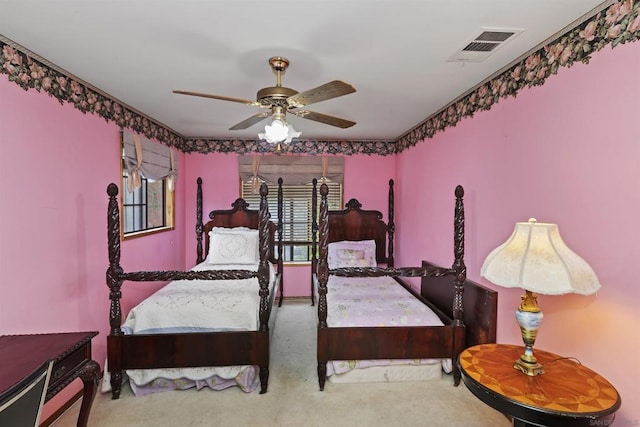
{"x":535,"y":258}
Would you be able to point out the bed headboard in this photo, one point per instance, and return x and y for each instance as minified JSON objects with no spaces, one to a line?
{"x":354,"y":223}
{"x":238,"y":216}
{"x":480,"y":305}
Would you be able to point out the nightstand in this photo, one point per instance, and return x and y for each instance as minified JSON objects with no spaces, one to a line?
{"x":568,"y":394}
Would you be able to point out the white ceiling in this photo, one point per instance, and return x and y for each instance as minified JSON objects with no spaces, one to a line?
{"x":395,"y":53}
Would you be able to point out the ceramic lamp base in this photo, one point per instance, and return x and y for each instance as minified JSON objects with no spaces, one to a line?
{"x":529,"y":317}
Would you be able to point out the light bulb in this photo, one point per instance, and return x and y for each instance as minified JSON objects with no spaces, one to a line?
{"x":278,"y":131}
{"x":292,"y":133}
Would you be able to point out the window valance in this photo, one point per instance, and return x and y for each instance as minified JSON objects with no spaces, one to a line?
{"x":294,"y":170}
{"x":149,"y":159}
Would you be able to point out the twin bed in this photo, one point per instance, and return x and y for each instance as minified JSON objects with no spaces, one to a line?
{"x":209,"y":326}
{"x":367,"y":316}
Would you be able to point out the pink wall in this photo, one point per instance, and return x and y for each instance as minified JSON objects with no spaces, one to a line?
{"x":221,"y":186}
{"x":566,"y":152}
{"x":56,"y":164}
{"x":366,"y":178}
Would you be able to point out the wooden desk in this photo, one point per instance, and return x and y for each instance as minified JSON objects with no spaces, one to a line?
{"x":568,"y":394}
{"x":71,"y":355}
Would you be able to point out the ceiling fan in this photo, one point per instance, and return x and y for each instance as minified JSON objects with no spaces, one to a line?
{"x":281,"y":100}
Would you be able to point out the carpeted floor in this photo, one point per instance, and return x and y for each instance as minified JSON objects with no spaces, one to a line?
{"x":294,"y":399}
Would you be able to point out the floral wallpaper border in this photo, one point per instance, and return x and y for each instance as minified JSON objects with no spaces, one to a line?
{"x":617,"y":24}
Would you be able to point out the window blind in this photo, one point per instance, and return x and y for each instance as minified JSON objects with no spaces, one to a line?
{"x":296,"y":213}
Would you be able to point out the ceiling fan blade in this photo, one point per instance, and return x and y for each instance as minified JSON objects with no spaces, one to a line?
{"x":223,"y":98}
{"x":323,"y":92}
{"x":324,"y":118}
{"x":251,"y":121}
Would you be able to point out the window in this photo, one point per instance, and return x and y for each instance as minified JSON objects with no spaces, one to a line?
{"x":147,"y":208}
{"x":297,"y":173}
{"x":296,"y":213}
{"x":148,"y":174}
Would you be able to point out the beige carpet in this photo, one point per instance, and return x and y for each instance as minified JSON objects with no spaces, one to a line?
{"x":294,"y":399}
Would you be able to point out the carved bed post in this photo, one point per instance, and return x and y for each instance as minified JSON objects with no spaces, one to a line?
{"x":263,"y":278}
{"x":114,"y":281}
{"x":199,"y":225}
{"x":263,"y":268}
{"x":280,"y":260}
{"x":458,"y":266}
{"x":314,"y":234}
{"x":323,"y":275}
{"x":391,"y":227}
{"x":460,"y":271}
{"x":323,"y":266}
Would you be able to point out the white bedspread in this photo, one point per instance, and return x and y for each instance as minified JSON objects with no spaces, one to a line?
{"x":375,"y":301}
{"x":198,"y":306}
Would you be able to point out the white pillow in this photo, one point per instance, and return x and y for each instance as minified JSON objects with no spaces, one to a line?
{"x":227,"y":230}
{"x":237,"y":245}
{"x":349,"y":253}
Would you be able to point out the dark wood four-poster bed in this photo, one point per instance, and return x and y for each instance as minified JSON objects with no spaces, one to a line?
{"x":352,"y":334}
{"x":234,"y":338}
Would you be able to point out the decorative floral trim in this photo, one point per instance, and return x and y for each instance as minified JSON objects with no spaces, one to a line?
{"x":620,"y":23}
{"x":304,"y":146}
{"x":29,"y":73}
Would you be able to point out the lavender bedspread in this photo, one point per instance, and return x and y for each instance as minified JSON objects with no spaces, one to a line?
{"x":377,"y":301}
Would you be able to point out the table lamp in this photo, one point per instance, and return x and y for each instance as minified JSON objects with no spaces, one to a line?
{"x":536,"y":259}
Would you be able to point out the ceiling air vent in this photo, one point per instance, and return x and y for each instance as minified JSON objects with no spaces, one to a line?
{"x":485,"y":44}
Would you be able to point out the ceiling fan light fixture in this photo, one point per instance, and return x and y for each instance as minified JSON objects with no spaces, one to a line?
{"x":279,"y":131}
{"x":282,"y":100}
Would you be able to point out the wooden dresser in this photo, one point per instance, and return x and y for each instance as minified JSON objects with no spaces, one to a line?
{"x":71,"y":355}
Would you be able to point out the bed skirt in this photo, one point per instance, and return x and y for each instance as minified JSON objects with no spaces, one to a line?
{"x":369,"y":371}
{"x":245,"y":377}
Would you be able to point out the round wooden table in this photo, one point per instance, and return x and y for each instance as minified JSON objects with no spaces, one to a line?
{"x":568,"y":394}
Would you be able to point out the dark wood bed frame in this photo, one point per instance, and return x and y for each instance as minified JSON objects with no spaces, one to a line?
{"x":147,"y":351}
{"x":443,"y":292}
{"x":479,"y":305}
